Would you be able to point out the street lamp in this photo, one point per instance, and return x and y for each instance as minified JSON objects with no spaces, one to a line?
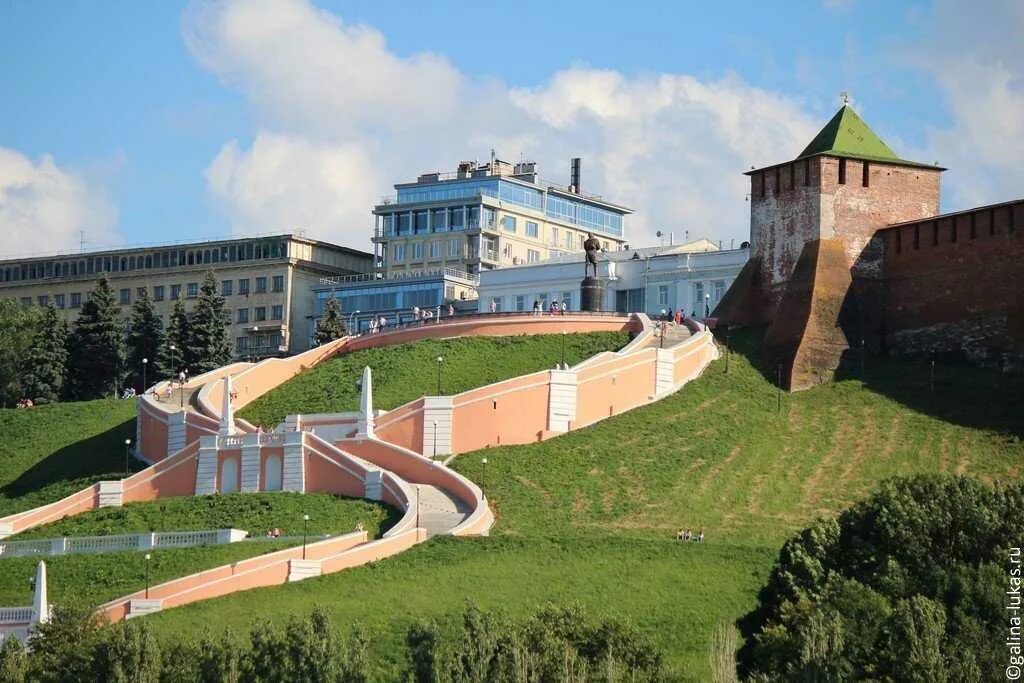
{"x":255,"y":329}
{"x":435,"y":438}
{"x":440,"y":362}
{"x":417,"y":506}
{"x":305,"y":525}
{"x":145,"y":362}
{"x":148,"y":558}
{"x":173,"y":347}
{"x":707,"y":308}
{"x":483,"y":476}
{"x":352,"y":315}
{"x":562,"y":366}
{"x":127,"y":451}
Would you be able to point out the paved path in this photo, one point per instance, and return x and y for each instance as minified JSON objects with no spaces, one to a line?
{"x":439,"y":511}
{"x":674,"y":334}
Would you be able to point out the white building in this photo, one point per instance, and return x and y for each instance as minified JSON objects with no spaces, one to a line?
{"x":688,"y":276}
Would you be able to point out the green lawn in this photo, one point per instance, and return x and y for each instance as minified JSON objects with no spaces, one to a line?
{"x":51,"y":451}
{"x":592,"y":515}
{"x":402,"y":374}
{"x":328,"y":514}
{"x":94,"y":579}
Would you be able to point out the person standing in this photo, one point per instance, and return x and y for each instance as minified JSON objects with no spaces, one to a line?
{"x":451,"y":310}
{"x":564,"y":306}
{"x":494,"y":306}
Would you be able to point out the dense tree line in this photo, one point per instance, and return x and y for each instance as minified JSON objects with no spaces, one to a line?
{"x":555,"y":644}
{"x":102,"y":352}
{"x":908,"y":585}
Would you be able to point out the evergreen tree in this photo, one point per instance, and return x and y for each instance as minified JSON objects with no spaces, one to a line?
{"x":128,"y":652}
{"x":13,"y":660}
{"x":331,"y":325}
{"x":97,"y":345}
{"x":17,"y":331}
{"x":209,"y":346}
{"x":47,"y":361}
{"x":145,"y":338}
{"x":171,"y":361}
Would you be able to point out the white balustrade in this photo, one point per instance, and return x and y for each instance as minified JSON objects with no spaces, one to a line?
{"x":15,"y":615}
{"x":119,"y":543}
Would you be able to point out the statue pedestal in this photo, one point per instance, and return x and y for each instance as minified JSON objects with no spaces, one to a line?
{"x":591,"y":294}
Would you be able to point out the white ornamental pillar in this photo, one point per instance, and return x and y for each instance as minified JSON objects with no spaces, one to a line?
{"x":366,"y":420}
{"x":40,"y":607}
{"x":227,"y":411}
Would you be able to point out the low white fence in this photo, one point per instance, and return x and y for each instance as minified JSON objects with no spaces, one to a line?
{"x":15,"y":615}
{"x":119,"y":543}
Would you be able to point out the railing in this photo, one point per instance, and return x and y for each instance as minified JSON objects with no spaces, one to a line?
{"x":16,"y":615}
{"x":401,"y":277}
{"x":448,"y":230}
{"x":119,"y":542}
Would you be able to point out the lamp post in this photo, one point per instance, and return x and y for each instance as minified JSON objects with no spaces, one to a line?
{"x":352,"y":315}
{"x":707,"y":308}
{"x":440,"y":362}
{"x":661,"y":343}
{"x":417,"y":506}
{"x":255,"y":329}
{"x":148,"y":558}
{"x":145,"y":362}
{"x":435,"y":439}
{"x":483,"y":475}
{"x":127,"y":451}
{"x":305,"y":525}
{"x":173,"y":364}
{"x":562,"y":366}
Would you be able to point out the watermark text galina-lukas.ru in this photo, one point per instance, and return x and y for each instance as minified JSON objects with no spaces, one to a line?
{"x":1014,"y":640}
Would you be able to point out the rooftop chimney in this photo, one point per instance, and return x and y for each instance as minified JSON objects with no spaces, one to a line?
{"x":574,"y":175}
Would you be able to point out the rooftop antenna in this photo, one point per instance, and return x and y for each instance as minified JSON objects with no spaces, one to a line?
{"x":845,"y":97}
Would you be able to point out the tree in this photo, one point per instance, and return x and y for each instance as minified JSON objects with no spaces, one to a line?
{"x":97,"y":345}
{"x":906,"y":585}
{"x":17,"y":332}
{"x":62,"y":648}
{"x":127,"y":652}
{"x":171,"y":361}
{"x":209,"y":346}
{"x":13,"y":661}
{"x":145,"y":339}
{"x":331,"y":326}
{"x":46,"y":367}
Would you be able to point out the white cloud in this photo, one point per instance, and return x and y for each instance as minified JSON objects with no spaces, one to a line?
{"x":983,"y":85}
{"x":343,"y":118}
{"x":43,"y":207}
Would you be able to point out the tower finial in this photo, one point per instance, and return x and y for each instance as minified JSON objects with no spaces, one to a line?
{"x":845,"y":96}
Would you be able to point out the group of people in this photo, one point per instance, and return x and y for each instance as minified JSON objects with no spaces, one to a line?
{"x":274,"y":533}
{"x":378,"y":324}
{"x":425,"y":315}
{"x":688,"y":535}
{"x":554,"y":308}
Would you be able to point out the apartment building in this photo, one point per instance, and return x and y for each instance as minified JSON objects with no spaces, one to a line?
{"x":267,"y":283}
{"x":484,"y":216}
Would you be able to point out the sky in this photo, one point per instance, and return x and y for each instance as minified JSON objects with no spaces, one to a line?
{"x":128,"y":123}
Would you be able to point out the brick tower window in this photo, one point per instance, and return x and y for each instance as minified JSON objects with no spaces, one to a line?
{"x":865,"y":174}
{"x":778,"y":180}
{"x":974,"y":225}
{"x":952,"y":229}
{"x":792,"y":176}
{"x":807,"y":171}
{"x":764,"y":182}
{"x":842,"y":171}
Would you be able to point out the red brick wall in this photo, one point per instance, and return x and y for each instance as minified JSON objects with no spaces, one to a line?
{"x":961,"y":296}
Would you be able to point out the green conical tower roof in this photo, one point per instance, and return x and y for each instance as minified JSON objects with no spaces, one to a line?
{"x":847,"y":135}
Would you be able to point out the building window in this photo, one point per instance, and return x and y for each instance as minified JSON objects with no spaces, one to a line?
{"x":567,"y":298}
{"x":698,"y":298}
{"x":44,"y":300}
{"x":435,"y":248}
{"x":175,"y":292}
{"x":126,"y":297}
{"x":520,"y":302}
{"x":399,"y":253}
{"x":241,"y":344}
{"x":439,"y":220}
{"x":532,"y":256}
{"x":420,"y":224}
{"x":261,"y":313}
{"x":532,"y":229}
{"x":554,"y":236}
{"x":76,"y":300}
{"x":719,"y":291}
{"x":26,"y":301}
{"x":261,"y":285}
{"x":865,"y":174}
{"x":192,"y":290}
{"x":453,"y":248}
{"x":842,"y":171}
{"x":140,"y":292}
{"x":417,"y":251}
{"x":278,"y":283}
{"x":277,"y":312}
{"x":568,"y":240}
{"x":58,"y":299}
{"x":158,"y":293}
{"x":508,"y":223}
{"x":242,"y":315}
{"x":227,"y":287}
{"x":663,"y":295}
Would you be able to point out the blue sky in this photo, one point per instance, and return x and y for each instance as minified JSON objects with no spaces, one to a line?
{"x":170,"y":121}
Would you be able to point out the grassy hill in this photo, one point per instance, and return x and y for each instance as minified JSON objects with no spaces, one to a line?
{"x":94,"y":579}
{"x":402,"y":374}
{"x":51,"y":451}
{"x":592,"y":515}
